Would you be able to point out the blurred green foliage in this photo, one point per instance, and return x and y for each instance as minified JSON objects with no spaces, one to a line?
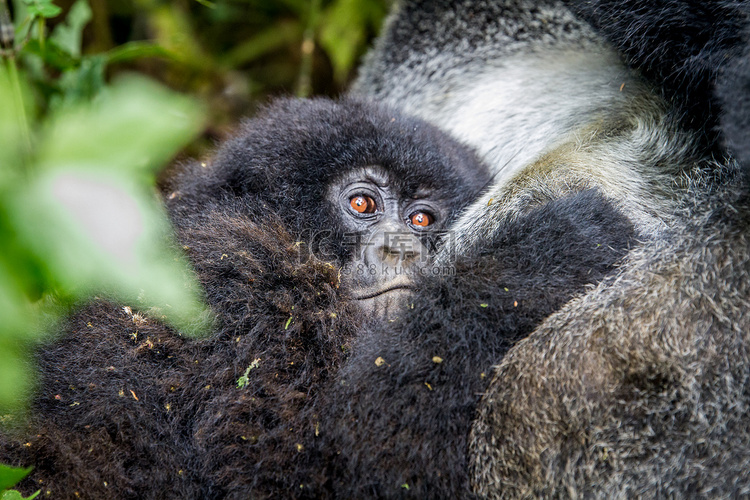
{"x":82,"y":141}
{"x":233,"y":54}
{"x":78,"y":212}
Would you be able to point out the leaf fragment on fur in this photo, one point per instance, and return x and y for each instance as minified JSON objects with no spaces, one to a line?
{"x":244,"y":380}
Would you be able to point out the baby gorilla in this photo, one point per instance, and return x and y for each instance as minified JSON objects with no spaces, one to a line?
{"x":314,"y":209}
{"x":361,"y":186}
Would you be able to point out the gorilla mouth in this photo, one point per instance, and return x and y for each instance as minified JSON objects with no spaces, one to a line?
{"x":398,"y":284}
{"x":382,"y":291}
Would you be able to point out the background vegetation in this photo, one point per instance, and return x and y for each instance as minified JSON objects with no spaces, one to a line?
{"x":82,"y":142}
{"x":231,"y":54}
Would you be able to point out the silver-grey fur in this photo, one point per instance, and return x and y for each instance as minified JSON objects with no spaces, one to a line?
{"x":541,"y":98}
{"x":639,"y":387}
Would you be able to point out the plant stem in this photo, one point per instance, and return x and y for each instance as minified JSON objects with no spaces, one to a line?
{"x":25,"y":130}
{"x":304,"y":81}
{"x":41,"y":34}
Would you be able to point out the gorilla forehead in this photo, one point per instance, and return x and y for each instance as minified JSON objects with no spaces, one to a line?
{"x":389,"y":179}
{"x":293,"y":150}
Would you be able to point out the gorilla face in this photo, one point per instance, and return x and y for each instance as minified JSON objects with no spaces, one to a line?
{"x":392,"y":233}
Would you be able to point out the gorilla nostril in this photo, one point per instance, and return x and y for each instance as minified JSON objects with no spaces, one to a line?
{"x":409,"y":255}
{"x":397,"y":254}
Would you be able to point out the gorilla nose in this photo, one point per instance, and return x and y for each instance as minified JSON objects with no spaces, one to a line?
{"x":394,"y":250}
{"x":396,"y":255}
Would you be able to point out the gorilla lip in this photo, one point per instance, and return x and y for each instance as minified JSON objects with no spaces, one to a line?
{"x":381,"y":291}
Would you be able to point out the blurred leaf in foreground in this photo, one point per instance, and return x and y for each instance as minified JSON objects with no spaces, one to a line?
{"x":102,"y":233}
{"x":91,"y":214}
{"x":134,"y":127}
{"x":9,"y":476}
{"x":15,"y":495}
{"x":82,"y":217}
{"x":11,"y":138}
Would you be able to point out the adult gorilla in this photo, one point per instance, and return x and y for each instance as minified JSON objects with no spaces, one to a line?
{"x":638,"y":387}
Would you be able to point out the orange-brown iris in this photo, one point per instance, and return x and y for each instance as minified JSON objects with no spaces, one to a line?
{"x":421,"y":219}
{"x":363,"y":204}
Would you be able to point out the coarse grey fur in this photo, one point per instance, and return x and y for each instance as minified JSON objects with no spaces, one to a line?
{"x":541,"y":98}
{"x":639,"y":388}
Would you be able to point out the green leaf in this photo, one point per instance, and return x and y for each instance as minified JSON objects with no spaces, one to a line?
{"x":14,"y":495}
{"x":51,"y":55}
{"x":42,"y":8}
{"x":68,"y":35}
{"x":100,"y":232}
{"x":80,"y":84}
{"x":136,"y":126}
{"x":12,"y":124}
{"x":15,"y":277}
{"x":16,"y":374}
{"x":344,"y":32}
{"x":9,"y":476}
{"x":174,"y":29}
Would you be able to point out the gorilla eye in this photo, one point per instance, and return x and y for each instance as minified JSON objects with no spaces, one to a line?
{"x":363,"y":204}
{"x":421,"y":219}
